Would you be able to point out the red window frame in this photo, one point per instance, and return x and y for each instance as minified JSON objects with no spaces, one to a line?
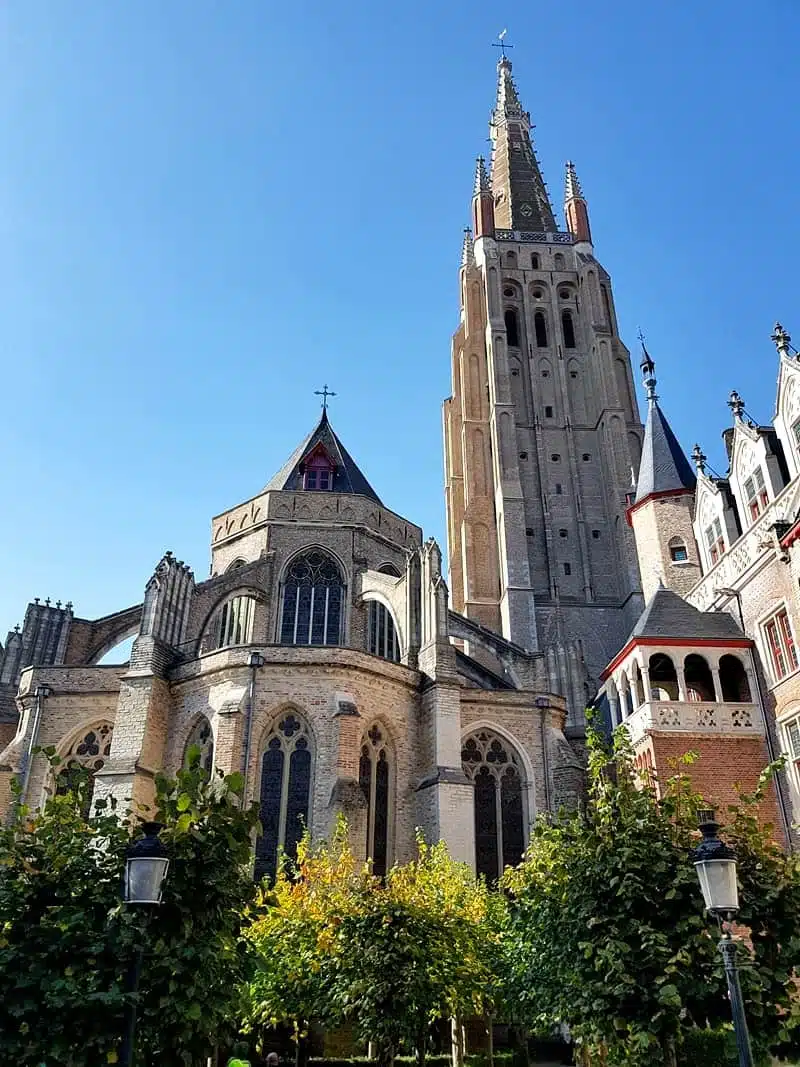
{"x":782,"y":648}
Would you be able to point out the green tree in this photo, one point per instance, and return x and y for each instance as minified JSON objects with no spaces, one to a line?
{"x":606,"y":929}
{"x":67,"y":941}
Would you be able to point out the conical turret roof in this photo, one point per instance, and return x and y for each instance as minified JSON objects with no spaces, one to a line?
{"x":664,"y":466}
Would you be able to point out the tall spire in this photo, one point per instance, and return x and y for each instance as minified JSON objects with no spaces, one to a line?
{"x":521,"y":200}
{"x":482,"y":183}
{"x":482,"y":201}
{"x":575,"y":209}
{"x":664,"y":467}
{"x":467,"y":249}
{"x":572,"y":186}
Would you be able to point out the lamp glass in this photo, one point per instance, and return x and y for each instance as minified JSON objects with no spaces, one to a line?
{"x":144,"y":879}
{"x":718,"y":883}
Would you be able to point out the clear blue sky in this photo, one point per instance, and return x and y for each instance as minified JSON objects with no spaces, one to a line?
{"x":210,"y":209}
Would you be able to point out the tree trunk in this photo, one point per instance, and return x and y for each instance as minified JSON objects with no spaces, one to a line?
{"x":301,"y":1049}
{"x":670,"y":1058}
{"x":490,"y":1039}
{"x":385,"y":1054}
{"x":421,"y":1048}
{"x":457,"y":1041}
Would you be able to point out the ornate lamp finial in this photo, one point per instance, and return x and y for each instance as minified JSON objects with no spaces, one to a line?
{"x":781,"y":339}
{"x":648,"y":368}
{"x":699,"y":459}
{"x":736,"y":404}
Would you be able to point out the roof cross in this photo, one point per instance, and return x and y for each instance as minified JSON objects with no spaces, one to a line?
{"x":324,"y":392}
{"x":501,"y":43}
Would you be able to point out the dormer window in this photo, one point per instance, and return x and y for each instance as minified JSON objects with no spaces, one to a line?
{"x":755,"y":493}
{"x":715,"y":541}
{"x":318,"y":471}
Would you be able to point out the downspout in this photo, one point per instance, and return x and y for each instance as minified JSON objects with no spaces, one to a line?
{"x":543,"y":704}
{"x":255,"y":661}
{"x":42,"y":692}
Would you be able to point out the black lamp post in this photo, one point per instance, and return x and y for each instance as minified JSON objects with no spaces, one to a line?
{"x":146,"y":866}
{"x":715,"y":863}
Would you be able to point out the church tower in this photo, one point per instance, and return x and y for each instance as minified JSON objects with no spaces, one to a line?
{"x":542,"y":431}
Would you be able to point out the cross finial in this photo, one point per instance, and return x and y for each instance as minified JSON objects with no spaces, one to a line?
{"x":640,"y":335}
{"x":700,"y":460}
{"x":781,"y":339}
{"x":736,"y":404}
{"x":324,"y":392}
{"x":501,"y":42}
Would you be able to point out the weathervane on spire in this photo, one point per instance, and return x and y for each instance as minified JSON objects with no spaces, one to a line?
{"x":324,"y":392}
{"x":501,"y":42}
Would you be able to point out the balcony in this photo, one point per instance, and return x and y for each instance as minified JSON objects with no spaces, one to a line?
{"x":675,"y":716}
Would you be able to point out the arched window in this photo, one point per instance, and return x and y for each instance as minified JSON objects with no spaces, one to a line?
{"x":677,"y":550}
{"x":381,"y":633}
{"x":734,"y":681}
{"x":88,"y":751}
{"x":699,"y":682}
{"x":389,"y":568}
{"x":285,"y":792}
{"x":236,"y":622}
{"x":558,"y":261}
{"x":374,"y":778}
{"x":568,"y":329}
{"x":540,"y":327}
{"x":535,"y":261}
{"x":494,"y":768}
{"x":202,"y":737}
{"x":312,"y":601}
{"x":663,"y":677}
{"x":511,"y":259}
{"x":512,"y":328}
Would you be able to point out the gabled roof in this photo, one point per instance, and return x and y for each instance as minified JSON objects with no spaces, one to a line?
{"x":669,"y":615}
{"x":664,"y":467}
{"x":347,"y":476}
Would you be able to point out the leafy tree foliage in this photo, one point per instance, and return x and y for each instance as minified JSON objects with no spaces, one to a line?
{"x":67,"y":941}
{"x":607,"y":932}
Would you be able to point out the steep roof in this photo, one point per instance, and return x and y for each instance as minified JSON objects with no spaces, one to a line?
{"x":669,"y":615}
{"x":663,"y":467}
{"x":347,"y":477}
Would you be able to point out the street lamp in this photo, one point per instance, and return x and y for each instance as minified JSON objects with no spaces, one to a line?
{"x":146,"y":864}
{"x":715,"y":863}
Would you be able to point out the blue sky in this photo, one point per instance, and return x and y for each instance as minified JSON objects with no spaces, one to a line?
{"x":210,"y":209}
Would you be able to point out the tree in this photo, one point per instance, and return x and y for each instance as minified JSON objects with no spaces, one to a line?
{"x":606,"y":928}
{"x":66,"y":940}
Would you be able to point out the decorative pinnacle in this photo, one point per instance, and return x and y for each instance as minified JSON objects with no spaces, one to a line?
{"x":781,"y":339}
{"x":699,"y":459}
{"x":467,"y":249}
{"x":572,"y":186}
{"x":736,"y":404}
{"x":648,"y":371}
{"x":507,"y":98}
{"x":482,"y":183}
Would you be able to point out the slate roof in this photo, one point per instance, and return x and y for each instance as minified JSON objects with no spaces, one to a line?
{"x":669,"y":615}
{"x":663,"y":466}
{"x":347,"y":477}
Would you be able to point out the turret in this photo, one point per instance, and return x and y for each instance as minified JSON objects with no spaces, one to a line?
{"x":482,"y":202}
{"x":575,"y":210}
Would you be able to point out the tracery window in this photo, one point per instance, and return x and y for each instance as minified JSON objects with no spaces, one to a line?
{"x":313,"y":593}
{"x":89,"y":751}
{"x":201,"y":736}
{"x":374,"y":778}
{"x":285,"y":792}
{"x":494,"y":768}
{"x":236,"y":622}
{"x":381,"y":632}
{"x":756,"y":493}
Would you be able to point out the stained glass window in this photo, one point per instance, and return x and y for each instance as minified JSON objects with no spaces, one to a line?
{"x":313,"y":594}
{"x":494,"y":768}
{"x":90,"y":751}
{"x":203,"y":737}
{"x":381,"y":632}
{"x":374,"y":779}
{"x":285,"y":792}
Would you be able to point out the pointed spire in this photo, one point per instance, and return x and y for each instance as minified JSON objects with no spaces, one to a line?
{"x":521,"y":200}
{"x":648,"y":369}
{"x":467,"y":249}
{"x":664,"y":467}
{"x":575,"y":210}
{"x":781,"y":339}
{"x":572,"y":185}
{"x":482,"y":183}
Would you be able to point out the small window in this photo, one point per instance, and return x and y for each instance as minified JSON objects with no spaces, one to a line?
{"x":558,"y":489}
{"x":545,"y":373}
{"x":756,"y":493}
{"x":511,"y":259}
{"x":596,"y":535}
{"x":529,"y":531}
{"x":586,"y":457}
{"x":568,"y":568}
{"x":565,"y":294}
{"x":508,"y":291}
{"x":512,"y":328}
{"x":678,"y":553}
{"x":540,"y":326}
{"x":318,"y":472}
{"x":535,"y":262}
{"x":556,"y":458}
{"x":548,"y":412}
{"x":780,"y":642}
{"x":715,"y":541}
{"x":568,"y":329}
{"x":523,"y":455}
{"x":573,"y":374}
{"x":537,"y":294}
{"x":562,"y":533}
{"x":515,"y":373}
{"x":558,"y":261}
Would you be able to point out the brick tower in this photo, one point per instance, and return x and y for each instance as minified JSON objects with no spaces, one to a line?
{"x":542,"y":431}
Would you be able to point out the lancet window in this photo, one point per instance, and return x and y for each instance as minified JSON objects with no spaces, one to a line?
{"x":236,"y":622}
{"x":284,"y":792}
{"x":374,"y":777}
{"x":381,"y":632}
{"x":496,"y":772}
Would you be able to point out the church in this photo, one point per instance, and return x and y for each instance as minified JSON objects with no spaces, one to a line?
{"x":333,"y":659}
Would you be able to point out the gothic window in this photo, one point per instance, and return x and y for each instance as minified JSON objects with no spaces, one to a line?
{"x":236,"y":622}
{"x":496,"y":772}
{"x":202,"y":736}
{"x":756,"y":493}
{"x":381,"y":632}
{"x":313,"y":594}
{"x":374,"y":777}
{"x":535,"y":261}
{"x":90,"y":752}
{"x":568,"y":329}
{"x":715,"y":542}
{"x":512,"y":328}
{"x":285,"y":792}
{"x":540,"y":326}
